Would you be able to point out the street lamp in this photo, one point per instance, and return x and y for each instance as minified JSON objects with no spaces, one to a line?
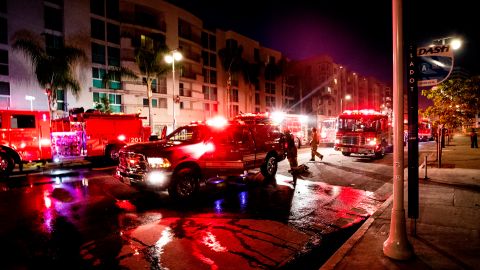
{"x":347,"y":97}
{"x":454,"y":42}
{"x":31,"y":99}
{"x":170,"y":59}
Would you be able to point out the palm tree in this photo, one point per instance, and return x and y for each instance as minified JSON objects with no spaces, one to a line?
{"x":116,"y":72}
{"x":151,"y":64}
{"x":251,"y":73}
{"x":232,"y":62}
{"x":53,"y":69}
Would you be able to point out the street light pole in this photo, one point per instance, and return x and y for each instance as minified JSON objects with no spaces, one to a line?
{"x":171,"y":58}
{"x":397,"y":245}
{"x":31,"y":99}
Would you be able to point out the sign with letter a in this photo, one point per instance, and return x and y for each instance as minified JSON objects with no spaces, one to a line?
{"x":435,"y":64}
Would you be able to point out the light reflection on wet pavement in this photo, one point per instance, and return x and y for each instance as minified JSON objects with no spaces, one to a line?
{"x":95,"y":222}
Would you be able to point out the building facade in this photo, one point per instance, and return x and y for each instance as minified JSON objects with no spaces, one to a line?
{"x":208,"y":81}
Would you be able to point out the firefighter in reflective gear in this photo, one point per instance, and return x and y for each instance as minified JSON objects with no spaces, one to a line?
{"x":291,"y":154}
{"x":314,"y":145}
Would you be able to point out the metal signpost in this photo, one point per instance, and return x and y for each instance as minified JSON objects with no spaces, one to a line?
{"x":427,"y":67}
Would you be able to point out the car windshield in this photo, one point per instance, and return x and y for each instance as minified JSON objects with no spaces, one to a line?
{"x":359,"y":124}
{"x":186,"y":134}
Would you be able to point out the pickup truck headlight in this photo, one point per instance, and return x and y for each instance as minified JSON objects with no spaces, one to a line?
{"x":158,"y":162}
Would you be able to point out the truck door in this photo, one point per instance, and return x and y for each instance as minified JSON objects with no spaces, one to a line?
{"x":25,"y":135}
{"x":243,"y":141}
{"x":227,"y":157}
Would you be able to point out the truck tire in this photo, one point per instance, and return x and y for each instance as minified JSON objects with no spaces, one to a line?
{"x":185,"y":184}
{"x":6,"y":164}
{"x":269,"y":168}
{"x":380,"y":154}
{"x":111,"y":153}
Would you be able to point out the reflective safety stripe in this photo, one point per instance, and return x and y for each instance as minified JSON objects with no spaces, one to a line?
{"x":224,"y":164}
{"x":249,"y":157}
{"x":261,"y":156}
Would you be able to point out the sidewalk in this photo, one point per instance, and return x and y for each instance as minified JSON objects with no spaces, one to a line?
{"x":447,"y":230}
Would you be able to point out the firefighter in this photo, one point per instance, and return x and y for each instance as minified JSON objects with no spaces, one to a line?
{"x":314,"y":145}
{"x":291,"y":154}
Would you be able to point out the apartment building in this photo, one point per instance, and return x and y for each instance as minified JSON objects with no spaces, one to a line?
{"x":328,"y":88}
{"x":207,"y":81}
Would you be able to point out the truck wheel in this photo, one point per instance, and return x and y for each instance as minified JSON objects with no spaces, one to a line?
{"x":269,"y":168}
{"x":347,"y":154}
{"x":380,"y":153}
{"x":111,"y":154}
{"x":6,"y":164}
{"x":185,"y":184}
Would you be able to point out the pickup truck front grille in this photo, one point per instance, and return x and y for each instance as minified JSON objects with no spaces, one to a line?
{"x":132,"y":163}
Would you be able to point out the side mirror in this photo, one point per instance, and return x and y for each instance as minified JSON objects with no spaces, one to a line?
{"x":153,"y":137}
{"x":164,"y":133}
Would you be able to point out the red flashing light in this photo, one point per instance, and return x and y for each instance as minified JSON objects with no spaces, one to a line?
{"x":218,"y":122}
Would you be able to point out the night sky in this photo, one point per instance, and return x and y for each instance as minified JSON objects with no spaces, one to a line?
{"x":357,"y":34}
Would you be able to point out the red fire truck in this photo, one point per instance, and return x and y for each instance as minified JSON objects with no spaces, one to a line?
{"x":296,"y":123}
{"x":425,"y":131}
{"x":27,"y":136}
{"x":328,"y":129}
{"x":363,"y":132}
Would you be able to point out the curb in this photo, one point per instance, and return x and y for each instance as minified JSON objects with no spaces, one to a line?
{"x":339,"y":255}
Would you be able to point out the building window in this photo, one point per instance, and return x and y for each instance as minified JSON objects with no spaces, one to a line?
{"x":112,"y":9}
{"x":207,"y":107}
{"x":270,"y":88}
{"x":113,"y":56}
{"x":162,"y":103}
{"x":98,"y":53}
{"x":215,"y":108}
{"x":97,"y":75}
{"x":206,"y":92}
{"x":3,"y":31}
{"x":53,"y":18}
{"x":234,"y":95}
{"x":115,"y":100}
{"x":213,"y":77}
{"x":235,"y":110}
{"x":97,"y":29}
{"x":53,"y":42}
{"x":4,"y":62}
{"x":97,"y":7}
{"x":270,"y":101}
{"x":204,"y":39}
{"x":5,"y":88}
{"x":257,"y":99}
{"x":113,"y":33}
{"x":61,"y":105}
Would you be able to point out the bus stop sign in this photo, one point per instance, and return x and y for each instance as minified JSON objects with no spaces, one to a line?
{"x":435,"y":64}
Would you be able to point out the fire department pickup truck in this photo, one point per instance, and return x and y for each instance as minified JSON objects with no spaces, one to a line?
{"x":203,"y":152}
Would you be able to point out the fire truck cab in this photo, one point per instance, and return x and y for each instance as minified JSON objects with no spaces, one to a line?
{"x":24,"y":137}
{"x":203,"y":152}
{"x":363,"y":132}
